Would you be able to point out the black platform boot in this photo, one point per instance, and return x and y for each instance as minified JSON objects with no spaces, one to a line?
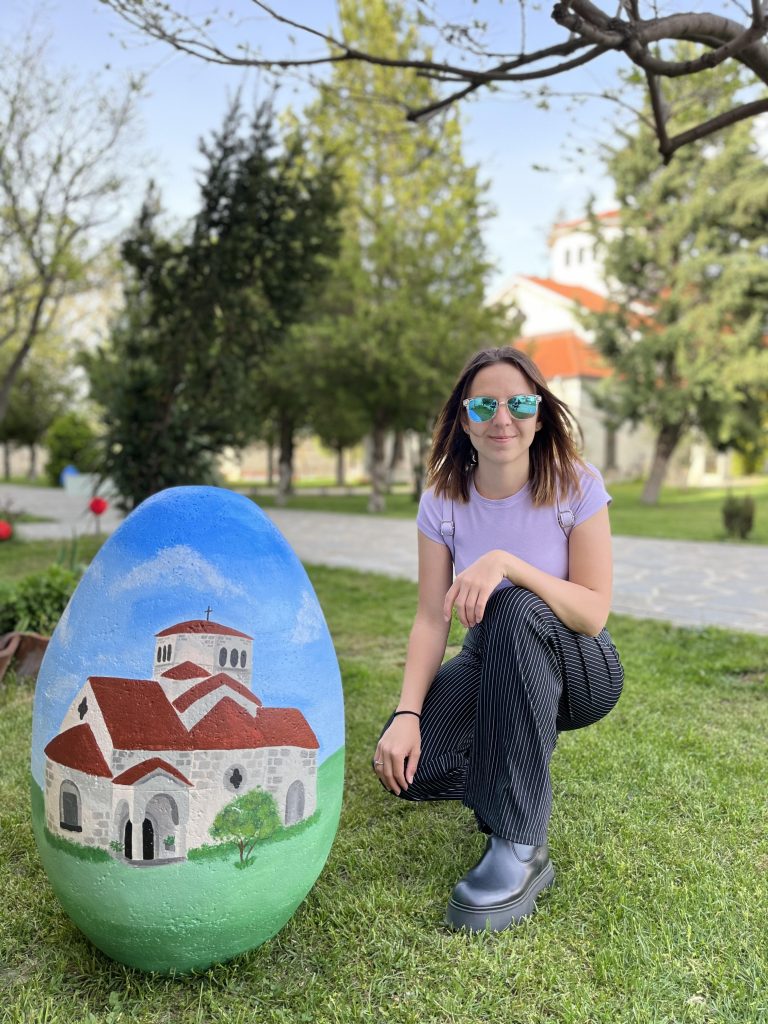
{"x":501,"y":888}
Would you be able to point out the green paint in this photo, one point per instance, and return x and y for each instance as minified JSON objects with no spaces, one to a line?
{"x":191,"y":914}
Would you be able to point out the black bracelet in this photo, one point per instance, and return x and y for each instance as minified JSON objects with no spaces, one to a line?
{"x":396,"y":713}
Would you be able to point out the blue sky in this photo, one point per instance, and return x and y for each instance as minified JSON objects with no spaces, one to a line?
{"x":505,"y":134}
{"x":176,"y":554}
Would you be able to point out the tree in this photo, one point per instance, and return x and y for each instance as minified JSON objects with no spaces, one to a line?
{"x":469,"y":60}
{"x":405,"y":302}
{"x":71,"y":440}
{"x":203,"y":312}
{"x":247,"y":820}
{"x":59,"y":155}
{"x":38,"y":397}
{"x":689,"y":282}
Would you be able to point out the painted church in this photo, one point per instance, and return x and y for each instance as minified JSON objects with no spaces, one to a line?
{"x":141,"y":767}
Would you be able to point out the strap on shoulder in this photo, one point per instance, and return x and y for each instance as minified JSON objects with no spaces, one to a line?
{"x":565,"y":518}
{"x":447,"y":527}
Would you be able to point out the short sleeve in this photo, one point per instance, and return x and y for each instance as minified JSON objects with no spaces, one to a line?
{"x":592,"y":498}
{"x":428,"y":519}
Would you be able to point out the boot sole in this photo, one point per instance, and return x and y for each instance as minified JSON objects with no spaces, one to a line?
{"x":502,"y":915}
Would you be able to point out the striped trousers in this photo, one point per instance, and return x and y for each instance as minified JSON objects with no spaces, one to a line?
{"x":491,"y":717}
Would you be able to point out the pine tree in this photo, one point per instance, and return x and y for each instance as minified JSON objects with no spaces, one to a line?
{"x":689,"y":279}
{"x":202,"y":313}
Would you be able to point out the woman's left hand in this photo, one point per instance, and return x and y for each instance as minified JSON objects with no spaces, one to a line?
{"x":472,"y":588}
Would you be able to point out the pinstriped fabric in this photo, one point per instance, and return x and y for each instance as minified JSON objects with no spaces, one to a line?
{"x":492,"y":714}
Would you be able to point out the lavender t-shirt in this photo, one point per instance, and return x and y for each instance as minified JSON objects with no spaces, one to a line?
{"x":512,"y":524}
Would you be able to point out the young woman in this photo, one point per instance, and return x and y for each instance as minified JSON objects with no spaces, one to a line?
{"x":523,"y":522}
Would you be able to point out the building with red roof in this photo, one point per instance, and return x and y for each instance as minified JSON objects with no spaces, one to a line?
{"x":141,"y":767}
{"x":556,"y":337}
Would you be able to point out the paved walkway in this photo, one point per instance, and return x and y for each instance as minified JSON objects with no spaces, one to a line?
{"x":686,"y":582}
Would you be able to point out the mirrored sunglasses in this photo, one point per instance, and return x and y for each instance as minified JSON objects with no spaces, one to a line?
{"x":482,"y":409}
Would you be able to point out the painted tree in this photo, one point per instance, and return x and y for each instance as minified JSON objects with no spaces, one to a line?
{"x":689,"y":279}
{"x":60,"y":178}
{"x":246,"y":821}
{"x":405,"y":302}
{"x":516,"y":43}
{"x":203,"y":312}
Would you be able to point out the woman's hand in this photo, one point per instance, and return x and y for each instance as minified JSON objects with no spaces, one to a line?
{"x":401,"y":741}
{"x":472,"y":588}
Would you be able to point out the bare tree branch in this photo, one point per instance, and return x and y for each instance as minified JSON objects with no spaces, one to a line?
{"x":592,"y":30}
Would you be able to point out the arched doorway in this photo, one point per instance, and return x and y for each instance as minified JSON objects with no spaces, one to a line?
{"x":128,"y":840}
{"x":294,"y":803}
{"x":147,"y":840}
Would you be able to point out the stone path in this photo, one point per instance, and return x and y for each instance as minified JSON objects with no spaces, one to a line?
{"x":688,"y":583}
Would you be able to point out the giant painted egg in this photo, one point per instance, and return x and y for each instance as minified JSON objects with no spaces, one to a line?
{"x":187,"y":751}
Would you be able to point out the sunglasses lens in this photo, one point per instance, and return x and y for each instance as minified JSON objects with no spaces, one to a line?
{"x":523,"y":407}
{"x":481,"y":409}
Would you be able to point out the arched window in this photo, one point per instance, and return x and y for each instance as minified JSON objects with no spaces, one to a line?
{"x":69,"y":807}
{"x":242,"y":659}
{"x":168,"y":653}
{"x":159,"y":654}
{"x":223,"y":657}
{"x":233,"y":658}
{"x":234,"y":777}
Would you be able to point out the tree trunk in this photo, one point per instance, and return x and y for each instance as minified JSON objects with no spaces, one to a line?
{"x":610,"y":449}
{"x":398,"y":450}
{"x":666,"y":441}
{"x":377,"y":500}
{"x":32,"y":471}
{"x":285,"y":481}
{"x":340,"y":473}
{"x":420,"y":464}
{"x":270,"y":463}
{"x":7,"y":460}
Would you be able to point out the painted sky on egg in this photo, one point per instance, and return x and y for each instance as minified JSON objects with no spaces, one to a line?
{"x":179,"y":553}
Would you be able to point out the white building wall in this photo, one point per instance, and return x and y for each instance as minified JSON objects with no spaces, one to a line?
{"x":95,"y":803}
{"x":204,"y":650}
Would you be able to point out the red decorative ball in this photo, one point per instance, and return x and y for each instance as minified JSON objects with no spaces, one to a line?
{"x":98,"y":506}
{"x":6,"y":530}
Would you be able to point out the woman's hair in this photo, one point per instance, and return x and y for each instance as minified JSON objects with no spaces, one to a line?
{"x":554,"y":455}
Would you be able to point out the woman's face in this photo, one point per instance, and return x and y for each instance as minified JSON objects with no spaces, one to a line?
{"x":503,"y":439}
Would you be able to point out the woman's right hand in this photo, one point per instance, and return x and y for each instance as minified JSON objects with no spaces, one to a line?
{"x":400,"y":742}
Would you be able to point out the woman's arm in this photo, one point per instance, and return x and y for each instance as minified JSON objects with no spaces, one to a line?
{"x":581,"y":602}
{"x":426,"y":648}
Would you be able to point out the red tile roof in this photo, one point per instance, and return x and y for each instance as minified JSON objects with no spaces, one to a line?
{"x":77,"y":748}
{"x":138,"y":715}
{"x":202,"y":626}
{"x":585,"y":297}
{"x":605,"y":215}
{"x":564,"y":354}
{"x":285,"y":727}
{"x":194,"y":693}
{"x":138,"y":771}
{"x":186,"y":670}
{"x":228,"y":726}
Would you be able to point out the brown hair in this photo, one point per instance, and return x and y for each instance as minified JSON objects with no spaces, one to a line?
{"x":554,"y":455}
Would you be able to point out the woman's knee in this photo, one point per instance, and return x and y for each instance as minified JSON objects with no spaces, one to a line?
{"x":513,"y":606}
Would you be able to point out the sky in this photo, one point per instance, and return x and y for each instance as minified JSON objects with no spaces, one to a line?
{"x":180,"y":552}
{"x":507,"y":136}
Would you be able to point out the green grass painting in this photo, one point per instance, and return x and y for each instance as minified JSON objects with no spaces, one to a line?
{"x":658,"y":914}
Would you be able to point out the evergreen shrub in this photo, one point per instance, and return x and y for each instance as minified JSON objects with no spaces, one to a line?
{"x":738,"y":516}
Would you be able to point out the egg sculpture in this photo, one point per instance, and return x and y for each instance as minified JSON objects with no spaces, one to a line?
{"x":187,"y":750}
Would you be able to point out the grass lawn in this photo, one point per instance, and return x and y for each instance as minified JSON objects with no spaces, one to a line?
{"x":18,"y":558}
{"x":692,"y":513}
{"x":658,"y":915}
